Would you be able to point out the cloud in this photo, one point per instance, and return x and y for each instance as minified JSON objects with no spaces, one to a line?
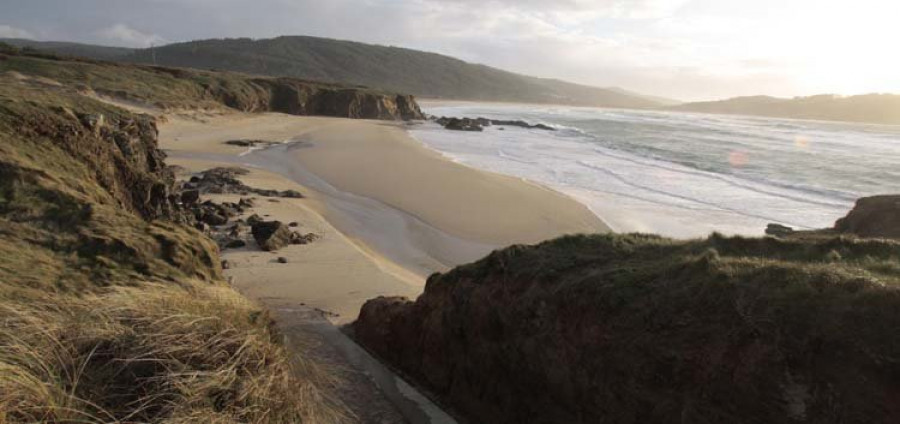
{"x":7,"y":31}
{"x":626,"y":9}
{"x":125,"y":35}
{"x":681,"y":48}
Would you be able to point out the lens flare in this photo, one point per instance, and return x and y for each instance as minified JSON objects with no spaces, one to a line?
{"x":801,"y":142}
{"x":737,"y":159}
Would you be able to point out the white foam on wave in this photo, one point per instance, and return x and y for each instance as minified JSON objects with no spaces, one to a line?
{"x":667,"y":172}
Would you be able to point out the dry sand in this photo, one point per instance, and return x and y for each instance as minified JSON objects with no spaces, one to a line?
{"x":331,"y":274}
{"x":390,"y":211}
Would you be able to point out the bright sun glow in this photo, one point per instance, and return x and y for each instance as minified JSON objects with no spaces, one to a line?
{"x":836,"y":46}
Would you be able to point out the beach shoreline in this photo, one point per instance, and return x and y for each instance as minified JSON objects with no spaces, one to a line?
{"x":390,"y":208}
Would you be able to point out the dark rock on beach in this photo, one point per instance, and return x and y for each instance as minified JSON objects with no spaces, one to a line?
{"x":223,"y":180}
{"x":254,"y":219}
{"x":235,"y":243}
{"x":250,"y":143}
{"x":271,"y":235}
{"x":297,"y":238}
{"x":190,"y":197}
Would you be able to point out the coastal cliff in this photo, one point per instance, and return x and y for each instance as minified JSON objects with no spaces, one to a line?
{"x":643,"y":329}
{"x":113,"y":310}
{"x":877,"y":216}
{"x":179,"y":89}
{"x":296,"y":97}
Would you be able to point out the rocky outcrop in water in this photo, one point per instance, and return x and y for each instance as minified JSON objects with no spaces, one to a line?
{"x":642,"y":329}
{"x":877,"y":216}
{"x":478,"y":124}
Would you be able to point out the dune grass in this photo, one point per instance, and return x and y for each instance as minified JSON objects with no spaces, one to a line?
{"x":151,"y":353}
{"x":110,"y":310}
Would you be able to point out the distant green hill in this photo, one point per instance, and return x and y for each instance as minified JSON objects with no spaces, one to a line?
{"x":871,"y":108}
{"x":391,"y":68}
{"x":73,"y":49}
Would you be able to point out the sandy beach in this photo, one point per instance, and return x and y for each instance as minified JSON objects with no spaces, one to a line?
{"x":389,"y":211}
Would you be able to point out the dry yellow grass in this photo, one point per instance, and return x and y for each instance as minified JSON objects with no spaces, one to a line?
{"x":153,"y":353}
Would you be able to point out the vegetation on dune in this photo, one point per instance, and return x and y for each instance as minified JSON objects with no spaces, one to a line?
{"x":185,"y":352}
{"x":639,"y":328}
{"x":111,"y":309}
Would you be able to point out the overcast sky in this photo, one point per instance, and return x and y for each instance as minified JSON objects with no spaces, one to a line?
{"x":686,"y":49}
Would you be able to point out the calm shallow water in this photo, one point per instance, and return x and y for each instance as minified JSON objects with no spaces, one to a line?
{"x":682,"y":174}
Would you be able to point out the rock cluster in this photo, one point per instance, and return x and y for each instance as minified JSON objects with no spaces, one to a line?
{"x":461,"y":124}
{"x":478,"y":124}
{"x":250,"y":143}
{"x":223,"y":180}
{"x":217,"y":220}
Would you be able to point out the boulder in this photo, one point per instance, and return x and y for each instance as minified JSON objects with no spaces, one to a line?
{"x":292,"y":194}
{"x":297,"y":238}
{"x":237,"y":229}
{"x":246,"y":203}
{"x":190,"y":197}
{"x":213,"y":218}
{"x":271,"y":235}
{"x":234,"y":243}
{"x":254,"y":219}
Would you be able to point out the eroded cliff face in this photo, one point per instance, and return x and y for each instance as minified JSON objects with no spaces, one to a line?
{"x":176,"y":88}
{"x":297,"y":97}
{"x":85,"y":187}
{"x":641,"y":329}
{"x":877,"y":216}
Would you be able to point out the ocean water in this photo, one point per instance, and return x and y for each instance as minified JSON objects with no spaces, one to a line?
{"x":682,"y":174}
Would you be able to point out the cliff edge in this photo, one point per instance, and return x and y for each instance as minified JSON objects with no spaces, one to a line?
{"x":877,"y":216}
{"x":113,"y":310}
{"x":642,"y":329}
